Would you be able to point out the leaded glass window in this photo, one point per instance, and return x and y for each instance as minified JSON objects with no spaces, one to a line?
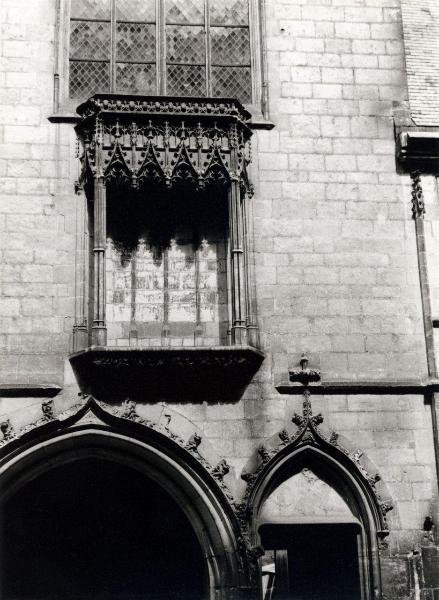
{"x":176,"y":47}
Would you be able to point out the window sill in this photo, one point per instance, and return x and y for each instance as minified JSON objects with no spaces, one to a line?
{"x":188,"y":373}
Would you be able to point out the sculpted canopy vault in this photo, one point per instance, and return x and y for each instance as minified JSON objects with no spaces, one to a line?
{"x":134,"y":141}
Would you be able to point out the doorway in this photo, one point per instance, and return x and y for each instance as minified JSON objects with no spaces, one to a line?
{"x":311,"y":561}
{"x":98,"y":529}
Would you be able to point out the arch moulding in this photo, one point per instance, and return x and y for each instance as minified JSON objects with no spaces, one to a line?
{"x":90,"y":430}
{"x":286,"y":454}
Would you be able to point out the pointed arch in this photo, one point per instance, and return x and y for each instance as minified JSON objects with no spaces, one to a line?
{"x":150,"y":169}
{"x":91,"y":431}
{"x":309,"y":449}
{"x":183,"y":170}
{"x":117,"y":172}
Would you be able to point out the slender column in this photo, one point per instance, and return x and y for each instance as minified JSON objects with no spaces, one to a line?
{"x":418,"y":210}
{"x":252,"y":328}
{"x":80,"y":329}
{"x":165,"y":326}
{"x":198,"y":331}
{"x":99,"y":329}
{"x":238,"y":281}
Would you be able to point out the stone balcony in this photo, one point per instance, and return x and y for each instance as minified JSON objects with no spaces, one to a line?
{"x":143,"y":151}
{"x":181,"y":373}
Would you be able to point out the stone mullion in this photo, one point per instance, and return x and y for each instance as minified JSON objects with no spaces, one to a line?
{"x":252,"y":329}
{"x":80,"y":332}
{"x":238,"y":285}
{"x":165,"y":325}
{"x":99,"y":329}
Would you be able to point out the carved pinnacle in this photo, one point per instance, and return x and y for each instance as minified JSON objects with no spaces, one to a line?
{"x":193,"y":442}
{"x":7,"y":429}
{"x":418,"y":205}
{"x":221,"y":470}
{"x":47,"y":409}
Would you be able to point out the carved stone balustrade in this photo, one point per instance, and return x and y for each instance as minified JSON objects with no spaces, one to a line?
{"x":134,"y":144}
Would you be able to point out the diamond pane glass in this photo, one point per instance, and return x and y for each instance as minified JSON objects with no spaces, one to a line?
{"x":185,"y":44}
{"x":135,"y":78}
{"x":186,"y":80}
{"x":135,"y":41}
{"x":230,"y":45}
{"x":87,"y":78}
{"x":90,"y":9}
{"x":228,"y":12}
{"x":135,"y":10}
{"x":90,"y":40}
{"x":185,"y":11}
{"x":232,"y":82}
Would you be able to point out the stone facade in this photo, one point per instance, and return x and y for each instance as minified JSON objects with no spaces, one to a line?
{"x":335,"y":257}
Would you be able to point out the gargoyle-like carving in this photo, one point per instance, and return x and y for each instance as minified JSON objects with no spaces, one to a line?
{"x":221,"y":470}
{"x":47,"y":409}
{"x":167,"y":418}
{"x":334,"y":438}
{"x":193,"y":442}
{"x":7,"y":430}
{"x":284,"y":437}
{"x":304,"y":374}
{"x":418,"y":205}
{"x":249,"y":478}
{"x":385,"y":507}
{"x":129,"y":410}
{"x":264,"y":454}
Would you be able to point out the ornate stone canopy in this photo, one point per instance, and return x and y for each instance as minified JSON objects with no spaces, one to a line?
{"x":133,"y":141}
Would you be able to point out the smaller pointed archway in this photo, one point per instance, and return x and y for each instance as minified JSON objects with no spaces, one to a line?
{"x":317,"y":514}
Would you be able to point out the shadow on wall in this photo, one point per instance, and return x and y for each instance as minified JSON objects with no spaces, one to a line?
{"x":167,"y":267}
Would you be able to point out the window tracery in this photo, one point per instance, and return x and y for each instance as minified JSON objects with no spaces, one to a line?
{"x":174,"y":47}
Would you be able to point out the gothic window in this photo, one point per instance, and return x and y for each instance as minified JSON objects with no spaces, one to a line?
{"x":175,"y":47}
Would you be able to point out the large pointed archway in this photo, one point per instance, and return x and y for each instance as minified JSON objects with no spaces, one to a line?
{"x":97,"y":528}
{"x":144,"y":477}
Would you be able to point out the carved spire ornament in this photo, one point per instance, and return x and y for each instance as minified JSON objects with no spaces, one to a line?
{"x":418,"y":205}
{"x":306,"y":418}
{"x":304,"y":375}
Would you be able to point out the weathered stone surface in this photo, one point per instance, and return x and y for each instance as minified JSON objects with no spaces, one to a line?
{"x":335,"y":252}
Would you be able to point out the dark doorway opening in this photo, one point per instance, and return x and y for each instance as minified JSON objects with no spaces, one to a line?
{"x":313,"y":561}
{"x":98,"y":529}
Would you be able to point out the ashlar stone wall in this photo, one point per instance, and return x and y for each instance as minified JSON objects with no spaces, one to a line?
{"x":335,"y":250}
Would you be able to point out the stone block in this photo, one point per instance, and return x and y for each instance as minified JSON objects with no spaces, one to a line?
{"x":354,"y":31}
{"x":37,"y":273}
{"x":341,"y":162}
{"x":9,"y":307}
{"x":327,"y":90}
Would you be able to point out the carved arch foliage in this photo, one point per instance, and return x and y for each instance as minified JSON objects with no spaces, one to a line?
{"x":90,"y":416}
{"x":308,"y":443}
{"x":287,"y":453}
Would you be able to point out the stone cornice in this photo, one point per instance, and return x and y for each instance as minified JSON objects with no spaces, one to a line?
{"x":169,"y":106}
{"x":425,"y":387}
{"x":29,"y":390}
